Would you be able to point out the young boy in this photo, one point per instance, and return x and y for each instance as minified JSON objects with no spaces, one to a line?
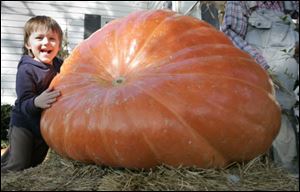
{"x":37,"y":67}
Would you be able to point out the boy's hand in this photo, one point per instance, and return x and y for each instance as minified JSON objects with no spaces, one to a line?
{"x":45,"y":99}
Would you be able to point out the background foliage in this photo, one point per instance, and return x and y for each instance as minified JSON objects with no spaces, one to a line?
{"x":5,"y":118}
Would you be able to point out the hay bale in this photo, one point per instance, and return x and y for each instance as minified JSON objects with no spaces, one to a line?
{"x":59,"y":174}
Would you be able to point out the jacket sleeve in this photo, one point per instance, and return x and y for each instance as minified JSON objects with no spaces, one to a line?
{"x":26,"y":92}
{"x":235,"y":27}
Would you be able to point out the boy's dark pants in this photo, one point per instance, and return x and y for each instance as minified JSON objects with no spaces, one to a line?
{"x":25,"y":150}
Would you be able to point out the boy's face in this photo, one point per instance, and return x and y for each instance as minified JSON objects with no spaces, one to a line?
{"x":44,"y":45}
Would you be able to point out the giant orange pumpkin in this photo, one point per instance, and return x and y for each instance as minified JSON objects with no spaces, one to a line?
{"x":156,"y":88}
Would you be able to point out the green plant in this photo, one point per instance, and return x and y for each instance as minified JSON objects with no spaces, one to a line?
{"x":5,"y":118}
{"x":64,"y":52}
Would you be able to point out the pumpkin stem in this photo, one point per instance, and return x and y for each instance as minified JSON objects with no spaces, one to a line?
{"x":119,"y":81}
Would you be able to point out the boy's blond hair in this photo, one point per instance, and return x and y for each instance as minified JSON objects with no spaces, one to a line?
{"x":38,"y":22}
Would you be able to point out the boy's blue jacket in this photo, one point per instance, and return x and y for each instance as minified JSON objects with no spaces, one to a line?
{"x":33,"y":78}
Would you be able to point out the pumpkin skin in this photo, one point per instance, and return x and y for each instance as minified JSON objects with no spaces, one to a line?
{"x":157,"y":87}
